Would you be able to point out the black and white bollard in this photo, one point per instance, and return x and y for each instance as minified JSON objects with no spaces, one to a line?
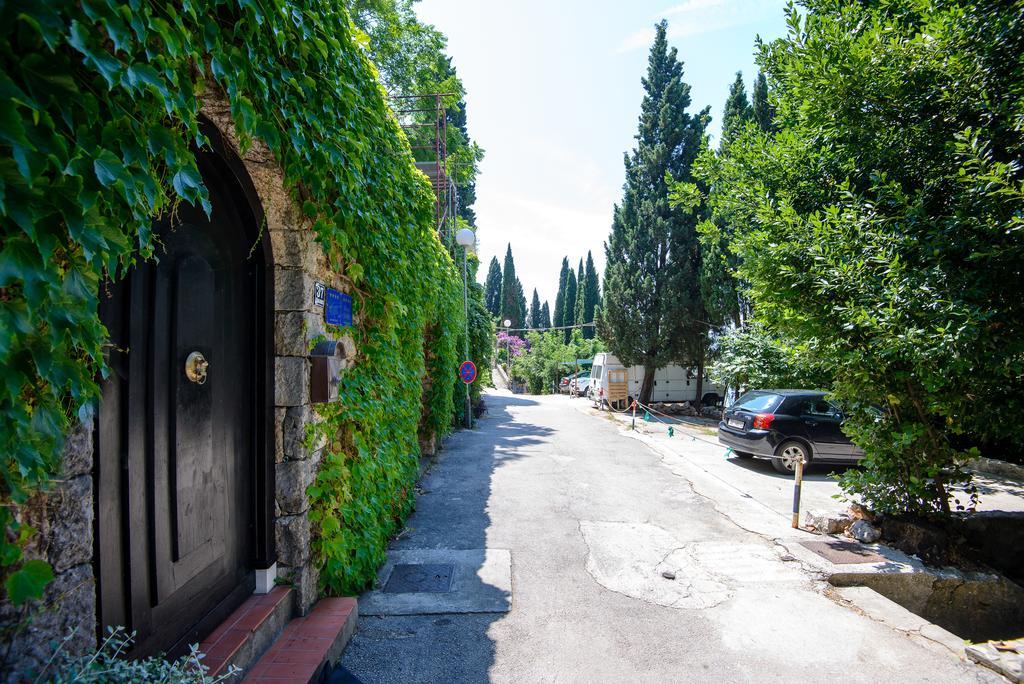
{"x":799,"y":472}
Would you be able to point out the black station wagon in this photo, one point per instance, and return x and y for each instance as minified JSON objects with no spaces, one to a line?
{"x":785,"y":426}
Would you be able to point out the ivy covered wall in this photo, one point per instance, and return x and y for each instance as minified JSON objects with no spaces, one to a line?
{"x":99,"y":109}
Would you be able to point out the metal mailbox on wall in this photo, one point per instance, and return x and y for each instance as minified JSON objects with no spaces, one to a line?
{"x":325,"y":374}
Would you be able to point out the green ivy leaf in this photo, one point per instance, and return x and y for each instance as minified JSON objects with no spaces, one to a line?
{"x":109,"y":169}
{"x":29,"y":581}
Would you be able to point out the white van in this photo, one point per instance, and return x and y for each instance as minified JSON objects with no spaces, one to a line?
{"x":671,"y":383}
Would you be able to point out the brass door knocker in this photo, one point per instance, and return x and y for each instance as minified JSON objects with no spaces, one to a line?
{"x":195,"y":367}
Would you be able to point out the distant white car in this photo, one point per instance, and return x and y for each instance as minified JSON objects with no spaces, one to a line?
{"x":582,"y":385}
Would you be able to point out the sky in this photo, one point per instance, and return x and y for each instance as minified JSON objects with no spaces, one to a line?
{"x":553,"y":96}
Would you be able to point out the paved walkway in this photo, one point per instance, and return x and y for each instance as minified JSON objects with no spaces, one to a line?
{"x":596,"y":524}
{"x":694,"y":451}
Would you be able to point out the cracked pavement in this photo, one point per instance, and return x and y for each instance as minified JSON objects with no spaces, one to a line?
{"x":592,"y":519}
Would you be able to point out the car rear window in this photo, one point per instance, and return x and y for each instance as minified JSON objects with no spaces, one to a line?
{"x":758,"y":401}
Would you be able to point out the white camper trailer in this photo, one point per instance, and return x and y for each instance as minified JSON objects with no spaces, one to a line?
{"x":671,"y":383}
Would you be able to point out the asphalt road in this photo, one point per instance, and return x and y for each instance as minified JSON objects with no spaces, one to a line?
{"x":620,"y":571}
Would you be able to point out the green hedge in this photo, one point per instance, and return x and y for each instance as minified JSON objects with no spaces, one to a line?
{"x":98,"y":110}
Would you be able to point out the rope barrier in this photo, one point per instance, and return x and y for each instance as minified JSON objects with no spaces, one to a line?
{"x":651,"y":409}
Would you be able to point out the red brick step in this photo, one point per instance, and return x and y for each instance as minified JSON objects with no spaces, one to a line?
{"x":247,"y":632}
{"x":307,"y":644}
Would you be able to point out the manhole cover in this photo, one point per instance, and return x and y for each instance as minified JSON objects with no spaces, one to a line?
{"x":420,"y":578}
{"x":843,"y":552}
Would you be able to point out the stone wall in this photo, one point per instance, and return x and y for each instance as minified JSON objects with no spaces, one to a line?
{"x":63,"y":517}
{"x":299,"y":262}
{"x":63,"y":520}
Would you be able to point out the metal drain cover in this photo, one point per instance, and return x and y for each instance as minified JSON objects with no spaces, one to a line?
{"x":843,"y":552}
{"x":413,"y":578}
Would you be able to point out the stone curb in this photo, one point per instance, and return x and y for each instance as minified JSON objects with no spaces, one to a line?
{"x":993,"y":466}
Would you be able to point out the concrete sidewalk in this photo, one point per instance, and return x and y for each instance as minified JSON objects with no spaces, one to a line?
{"x":694,"y":451}
{"x":620,"y":570}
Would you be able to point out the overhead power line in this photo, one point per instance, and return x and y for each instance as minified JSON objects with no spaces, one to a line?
{"x":560,"y":327}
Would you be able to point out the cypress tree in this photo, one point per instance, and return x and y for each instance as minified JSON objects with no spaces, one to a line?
{"x":593,"y":295}
{"x":492,"y":295}
{"x":545,"y":315}
{"x":737,"y":110}
{"x":581,"y":295}
{"x":521,"y":304}
{"x":563,"y":276}
{"x":511,"y":292}
{"x":652,"y":308}
{"x":763,"y":111}
{"x":569,"y":317}
{"x":535,"y":313}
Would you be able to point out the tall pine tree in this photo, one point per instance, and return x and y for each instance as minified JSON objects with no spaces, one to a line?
{"x":737,"y":110}
{"x":535,"y":314}
{"x":559,"y":312}
{"x":651,"y":313}
{"x":511,"y":292}
{"x":545,"y":315}
{"x":581,"y":295}
{"x":569,"y":315}
{"x":521,"y":304}
{"x":592,"y":296}
{"x":764,"y":112}
{"x":492,"y":288}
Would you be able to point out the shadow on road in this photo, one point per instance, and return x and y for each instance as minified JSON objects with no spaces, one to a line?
{"x":451,"y":513}
{"x":814,"y":471}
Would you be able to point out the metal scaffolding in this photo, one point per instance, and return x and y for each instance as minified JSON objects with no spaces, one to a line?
{"x":425,"y":121}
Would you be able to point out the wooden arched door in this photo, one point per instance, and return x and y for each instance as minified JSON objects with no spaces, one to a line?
{"x":181,"y":423}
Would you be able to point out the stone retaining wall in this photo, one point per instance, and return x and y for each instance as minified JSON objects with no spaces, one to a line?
{"x":63,"y":517}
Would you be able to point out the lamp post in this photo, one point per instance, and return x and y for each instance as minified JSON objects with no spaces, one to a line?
{"x":467,"y":239}
{"x":508,"y":355}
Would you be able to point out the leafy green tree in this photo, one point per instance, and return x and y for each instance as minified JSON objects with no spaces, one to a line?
{"x":591,"y":297}
{"x":563,"y":278}
{"x":754,"y":358}
{"x":551,"y":357}
{"x":569,"y":316}
{"x":492,"y":296}
{"x":762,"y":109}
{"x":737,"y":110}
{"x":408,"y":54}
{"x":888,"y":229}
{"x":720,"y":292}
{"x":545,"y":315}
{"x":481,"y":344}
{"x":652,"y":313}
{"x":464,"y":157}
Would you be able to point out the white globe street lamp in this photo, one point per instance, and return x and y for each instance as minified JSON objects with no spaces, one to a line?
{"x":466,"y":237}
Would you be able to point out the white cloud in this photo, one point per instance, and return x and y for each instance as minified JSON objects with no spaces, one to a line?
{"x":689,"y":6}
{"x":635,"y":41}
{"x":697,"y":17}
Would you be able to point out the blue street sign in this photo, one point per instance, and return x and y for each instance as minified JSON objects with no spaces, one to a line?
{"x":467,"y":372}
{"x":339,"y":308}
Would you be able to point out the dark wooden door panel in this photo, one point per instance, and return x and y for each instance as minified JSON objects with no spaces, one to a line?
{"x":176,"y":457}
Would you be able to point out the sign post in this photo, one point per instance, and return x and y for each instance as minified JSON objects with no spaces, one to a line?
{"x":467,"y":373}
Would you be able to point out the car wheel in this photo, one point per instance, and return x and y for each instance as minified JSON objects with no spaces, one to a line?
{"x":787,"y":455}
{"x":742,"y":454}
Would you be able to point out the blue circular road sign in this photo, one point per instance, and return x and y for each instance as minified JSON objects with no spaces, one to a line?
{"x":467,"y":372}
